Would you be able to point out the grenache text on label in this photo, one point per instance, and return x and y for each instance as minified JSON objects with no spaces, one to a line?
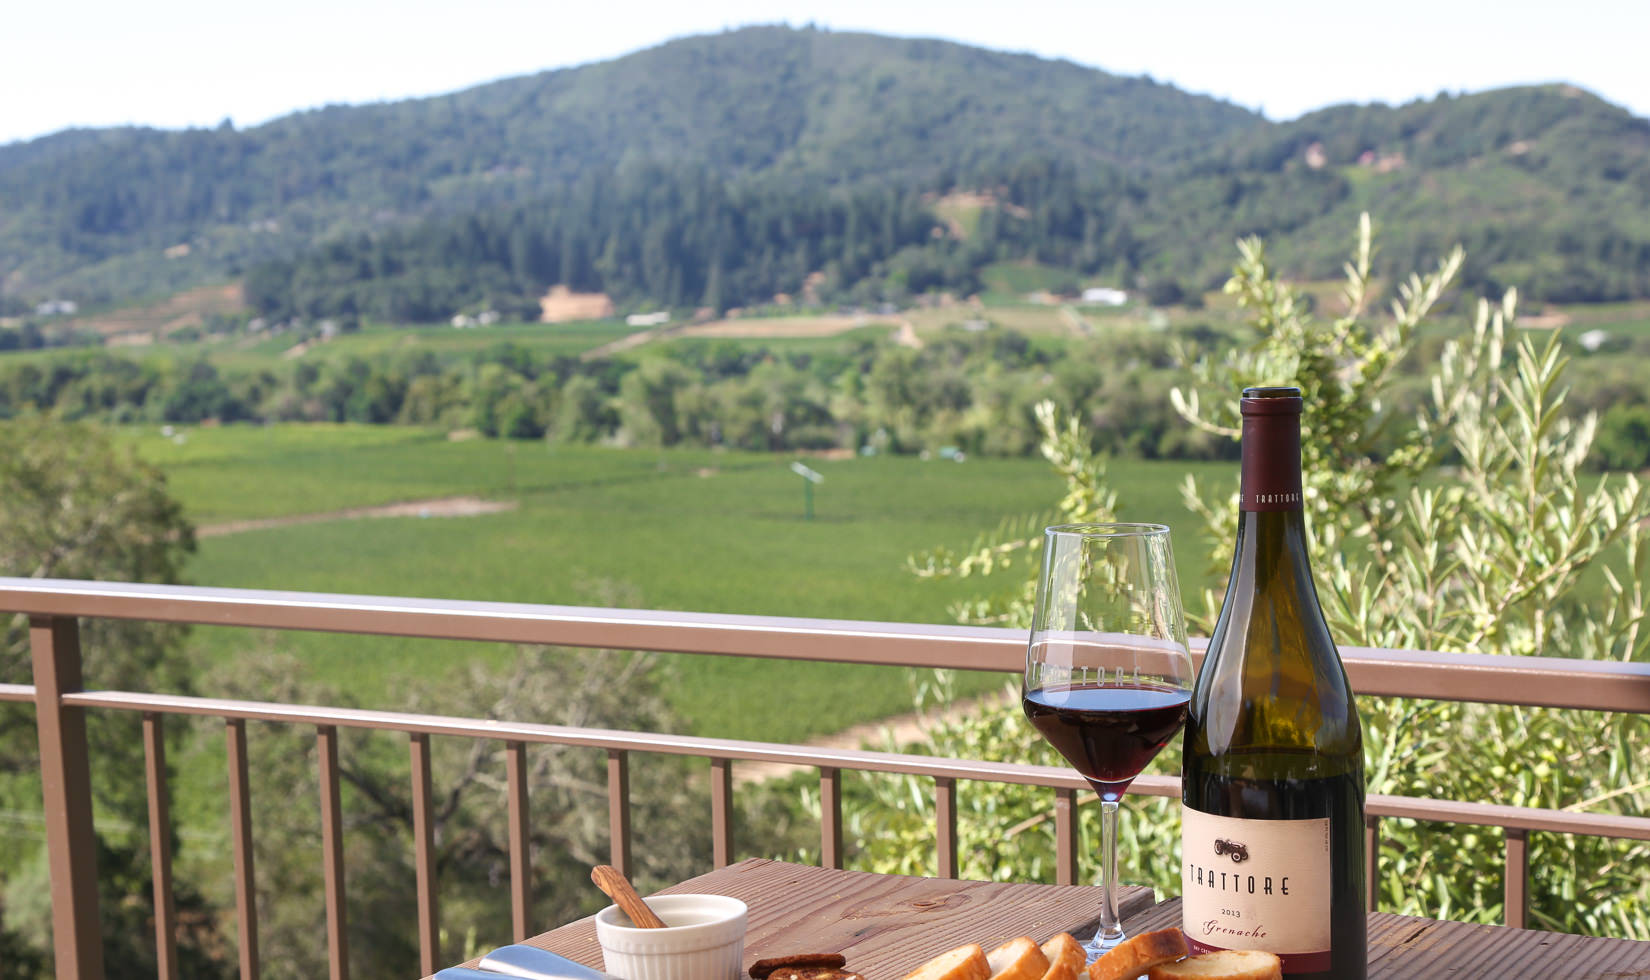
{"x":1214,"y":928}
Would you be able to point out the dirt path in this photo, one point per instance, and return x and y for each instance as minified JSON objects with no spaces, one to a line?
{"x":824,"y":325}
{"x":627,"y":342}
{"x":902,"y":730}
{"x":754,"y":327}
{"x":439,"y":507}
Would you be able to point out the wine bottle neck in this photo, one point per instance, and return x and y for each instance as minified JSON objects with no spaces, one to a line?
{"x":1264,"y":536}
{"x":1271,"y":474}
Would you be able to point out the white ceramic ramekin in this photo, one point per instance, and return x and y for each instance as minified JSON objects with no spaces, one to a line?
{"x":704,"y":939}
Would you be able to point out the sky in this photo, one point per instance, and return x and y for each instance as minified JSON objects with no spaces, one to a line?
{"x":177,"y":63}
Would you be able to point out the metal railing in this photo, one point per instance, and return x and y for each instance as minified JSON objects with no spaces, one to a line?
{"x":55,"y":607}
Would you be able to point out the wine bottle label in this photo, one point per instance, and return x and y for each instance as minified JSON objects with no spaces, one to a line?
{"x":1257,"y":884}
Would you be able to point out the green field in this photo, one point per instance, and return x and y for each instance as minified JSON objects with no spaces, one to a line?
{"x":544,"y":338}
{"x":691,"y":530}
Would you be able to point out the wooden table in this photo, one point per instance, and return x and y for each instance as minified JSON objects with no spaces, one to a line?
{"x":1406,"y":946}
{"x":888,"y":925}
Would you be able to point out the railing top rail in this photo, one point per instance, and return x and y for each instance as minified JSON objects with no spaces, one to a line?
{"x":597,"y":738}
{"x":1536,"y":681}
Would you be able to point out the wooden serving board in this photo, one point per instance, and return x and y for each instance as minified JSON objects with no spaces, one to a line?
{"x":886,"y":925}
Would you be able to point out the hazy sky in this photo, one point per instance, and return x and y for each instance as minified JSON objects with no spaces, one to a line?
{"x":195,"y":62}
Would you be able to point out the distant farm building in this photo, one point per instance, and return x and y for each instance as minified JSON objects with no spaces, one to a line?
{"x":658,"y":318}
{"x":561,"y":305}
{"x":1105,"y":296}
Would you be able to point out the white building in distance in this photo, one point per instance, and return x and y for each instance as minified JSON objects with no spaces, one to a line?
{"x":1105,"y":296}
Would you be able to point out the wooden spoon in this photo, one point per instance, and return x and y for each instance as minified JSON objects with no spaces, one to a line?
{"x":618,"y":888}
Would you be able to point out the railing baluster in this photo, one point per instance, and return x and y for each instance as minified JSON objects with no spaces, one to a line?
{"x":240,"y":829}
{"x":830,"y":817}
{"x":618,"y":809}
{"x":1065,"y":836}
{"x":945,"y":821}
{"x":1517,"y":876}
{"x":66,"y":797}
{"x":332,"y":852}
{"x":1372,"y":862}
{"x":521,"y":855}
{"x":160,"y":846}
{"x":721,"y":812}
{"x":429,"y":928}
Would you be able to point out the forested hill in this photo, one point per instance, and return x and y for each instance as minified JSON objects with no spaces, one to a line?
{"x":1548,"y":187}
{"x":830,"y":107}
{"x":719,"y":170}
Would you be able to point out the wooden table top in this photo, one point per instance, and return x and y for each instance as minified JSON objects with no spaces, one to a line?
{"x":887,"y":925}
{"x":1403,"y":946}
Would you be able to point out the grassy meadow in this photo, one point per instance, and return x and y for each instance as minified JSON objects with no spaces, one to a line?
{"x":678,"y":529}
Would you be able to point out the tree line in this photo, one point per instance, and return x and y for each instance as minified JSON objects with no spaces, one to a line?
{"x":970,"y":389}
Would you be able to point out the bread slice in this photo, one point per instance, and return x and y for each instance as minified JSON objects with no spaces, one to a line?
{"x":1017,"y":959}
{"x":1229,"y":964}
{"x":1137,"y":954}
{"x":1063,"y":970}
{"x":1063,"y":947}
{"x":963,"y":963}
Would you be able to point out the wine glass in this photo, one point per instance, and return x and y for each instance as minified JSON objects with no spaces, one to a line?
{"x":1108,"y":675}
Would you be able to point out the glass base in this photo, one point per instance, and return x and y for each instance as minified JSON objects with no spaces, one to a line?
{"x":1102,"y":944}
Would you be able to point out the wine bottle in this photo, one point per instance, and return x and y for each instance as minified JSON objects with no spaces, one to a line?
{"x":1273,"y":788}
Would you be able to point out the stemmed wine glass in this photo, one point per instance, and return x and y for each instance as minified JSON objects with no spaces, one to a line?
{"x":1108,"y":675}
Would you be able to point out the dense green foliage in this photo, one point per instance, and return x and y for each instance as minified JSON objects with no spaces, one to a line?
{"x":724,"y":169}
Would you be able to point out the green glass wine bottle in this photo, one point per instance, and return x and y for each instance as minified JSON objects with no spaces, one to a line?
{"x":1273,"y":793}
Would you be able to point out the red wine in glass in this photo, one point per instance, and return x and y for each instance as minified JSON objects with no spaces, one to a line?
{"x":1108,"y":732}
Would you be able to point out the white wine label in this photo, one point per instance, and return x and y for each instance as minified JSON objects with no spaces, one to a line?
{"x":1257,"y":884}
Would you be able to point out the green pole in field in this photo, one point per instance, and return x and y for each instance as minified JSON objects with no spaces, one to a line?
{"x":809,"y":478}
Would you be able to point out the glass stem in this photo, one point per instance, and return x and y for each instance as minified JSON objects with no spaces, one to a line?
{"x":1111,"y":930}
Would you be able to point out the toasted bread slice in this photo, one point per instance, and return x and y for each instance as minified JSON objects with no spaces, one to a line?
{"x":1063,"y":970}
{"x":963,"y":963}
{"x":1230,"y":964}
{"x":1137,"y":954}
{"x":1017,"y":959}
{"x":1063,"y":947}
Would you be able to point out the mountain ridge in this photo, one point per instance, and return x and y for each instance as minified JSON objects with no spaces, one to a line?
{"x":98,"y":214}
